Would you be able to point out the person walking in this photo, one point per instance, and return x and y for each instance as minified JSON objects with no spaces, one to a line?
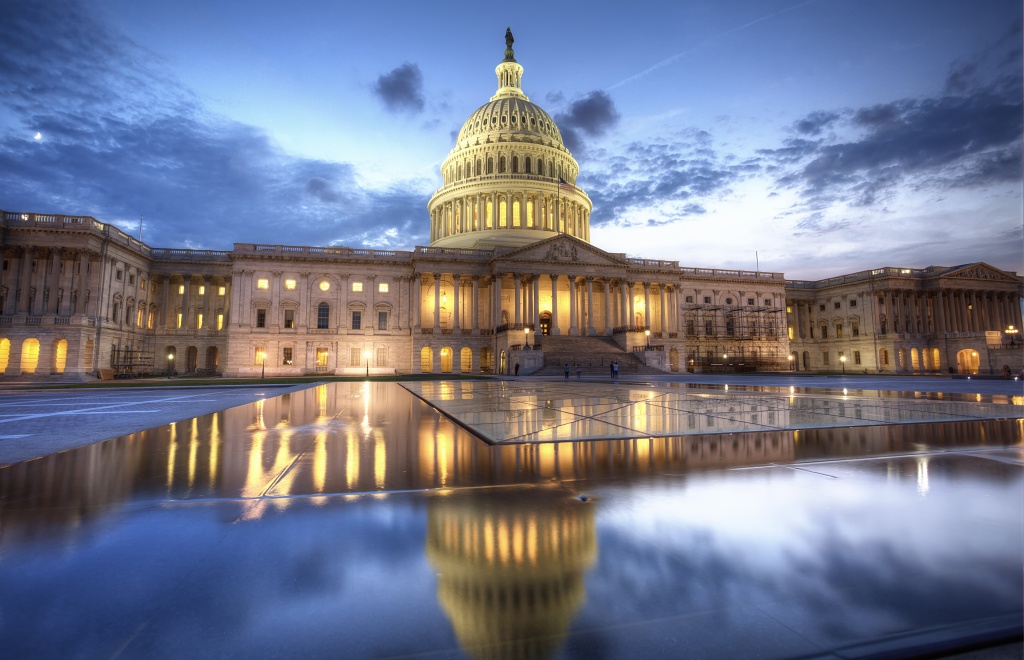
{"x":566,"y":370}
{"x":579,"y":371}
{"x":615,"y":371}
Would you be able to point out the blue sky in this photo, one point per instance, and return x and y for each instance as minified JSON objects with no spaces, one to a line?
{"x":827,"y":136}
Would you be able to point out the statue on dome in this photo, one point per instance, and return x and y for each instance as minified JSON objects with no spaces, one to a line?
{"x":510,"y":55}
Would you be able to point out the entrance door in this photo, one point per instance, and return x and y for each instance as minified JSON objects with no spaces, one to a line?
{"x":545,"y":323}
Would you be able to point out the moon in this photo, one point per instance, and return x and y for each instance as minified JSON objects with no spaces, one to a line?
{"x":39,"y":136}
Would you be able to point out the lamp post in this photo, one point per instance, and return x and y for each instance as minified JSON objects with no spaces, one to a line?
{"x":842,"y":360}
{"x":1012,"y":331}
{"x":367,"y":355}
{"x":647,"y":334}
{"x":263,"y":365}
{"x":170,"y":365}
{"x":527,"y":331}
{"x":790,"y":358}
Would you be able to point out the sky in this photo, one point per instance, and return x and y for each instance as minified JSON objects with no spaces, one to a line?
{"x":813,"y":137}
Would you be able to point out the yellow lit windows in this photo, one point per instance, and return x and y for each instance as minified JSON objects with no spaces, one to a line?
{"x":220,"y":321}
{"x":516,"y":209}
{"x":202,"y":290}
{"x":221,"y":290}
{"x":199,"y":321}
{"x":259,"y":354}
{"x":357,"y":287}
{"x":178,"y":320}
{"x":490,"y":215}
{"x":529,"y":213}
{"x":325,"y":286}
{"x":262,"y":283}
{"x":289,"y":284}
{"x":321,"y":357}
{"x":382,"y":287}
{"x":181,"y":289}
{"x":790,"y":332}
{"x":502,"y":214}
{"x":286,"y":356}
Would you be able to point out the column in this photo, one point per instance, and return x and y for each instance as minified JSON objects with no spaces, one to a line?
{"x":517,"y":279}
{"x":210,"y":304}
{"x":940,"y":315}
{"x":415,"y":301}
{"x":476,"y":304}
{"x":53,"y":285}
{"x":437,"y":302}
{"x":273,"y":320}
{"x":185,"y":300}
{"x":25,"y":280}
{"x":591,"y":330}
{"x":661,"y":302}
{"x":457,"y":278}
{"x":228,"y":292}
{"x":496,"y":299}
{"x":555,"y":329}
{"x":607,"y":305}
{"x":629,"y":298}
{"x":536,"y":303}
{"x":647,"y":304}
{"x":573,"y":327}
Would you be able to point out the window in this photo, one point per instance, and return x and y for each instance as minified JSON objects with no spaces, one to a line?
{"x":821,"y":308}
{"x":689,"y":299}
{"x":178,"y":319}
{"x":853,"y":303}
{"x":263,"y":283}
{"x":131,"y":277}
{"x":357,"y":287}
{"x":181,"y":289}
{"x":117,"y":311}
{"x":261,"y":318}
{"x":202,"y":290}
{"x":824,"y":332}
{"x":856,"y":329}
{"x":824,"y":358}
{"x":323,"y":316}
{"x":289,"y":318}
{"x":707,"y":300}
{"x":790,"y":332}
{"x":881,"y":301}
{"x":321,"y":357}
{"x":259,"y":354}
{"x":382,"y":320}
{"x":708,"y":328}
{"x":355,"y":358}
{"x":221,"y":290}
{"x":357,"y":320}
{"x":789,"y":309}
{"x":730,"y":327}
{"x":119,"y":275}
{"x":728,"y":301}
{"x":325,"y":286}
{"x":286,"y":356}
{"x":856,"y":357}
{"x":839,"y":329}
{"x":289,"y":284}
{"x":750,"y":301}
{"x":199,"y":321}
{"x":220,"y":321}
{"x":382,"y":357}
{"x":690,"y":329}
{"x":142,"y":283}
{"x":767,"y":302}
{"x":382,"y":287}
{"x":836,"y":305}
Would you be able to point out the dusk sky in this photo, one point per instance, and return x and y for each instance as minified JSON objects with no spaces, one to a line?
{"x":827,"y":136}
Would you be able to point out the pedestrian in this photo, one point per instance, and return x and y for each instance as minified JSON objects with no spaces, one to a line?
{"x":517,"y":368}
{"x":566,"y":370}
{"x":615,"y":371}
{"x":579,"y":370}
{"x":611,"y":370}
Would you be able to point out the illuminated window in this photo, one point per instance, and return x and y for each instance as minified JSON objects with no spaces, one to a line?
{"x":382,"y":287}
{"x":202,"y":290}
{"x":220,"y":321}
{"x":262,"y":283}
{"x":199,"y":321}
{"x":181,"y":289}
{"x":325,"y":285}
{"x":259,"y":354}
{"x":142,"y":283}
{"x":289,"y":284}
{"x":357,"y":287}
{"x":321,"y":357}
{"x":790,"y":330}
{"x":286,"y":355}
{"x":355,"y":357}
{"x":221,"y":290}
{"x":178,"y":320}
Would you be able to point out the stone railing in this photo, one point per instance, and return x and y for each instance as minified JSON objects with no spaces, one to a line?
{"x":311,"y":251}
{"x":182,"y":254}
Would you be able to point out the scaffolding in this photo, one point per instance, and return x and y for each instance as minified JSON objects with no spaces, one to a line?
{"x":740,"y":338}
{"x":133,"y":360}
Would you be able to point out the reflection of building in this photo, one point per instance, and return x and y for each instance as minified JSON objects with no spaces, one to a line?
{"x":510,"y":567}
{"x":510,"y":251}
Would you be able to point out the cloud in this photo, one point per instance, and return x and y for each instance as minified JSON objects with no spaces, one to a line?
{"x":401,"y":89}
{"x":124,"y":138}
{"x":815,"y":123}
{"x":593,"y":115}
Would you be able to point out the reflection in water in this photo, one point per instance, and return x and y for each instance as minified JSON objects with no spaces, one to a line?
{"x":375,"y":438}
{"x":511,"y":567}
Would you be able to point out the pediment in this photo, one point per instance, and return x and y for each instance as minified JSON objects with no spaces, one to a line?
{"x":979,"y":271}
{"x":563,"y":250}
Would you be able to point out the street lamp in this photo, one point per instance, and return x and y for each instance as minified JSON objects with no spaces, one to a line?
{"x":263,"y":364}
{"x":842,"y":359}
{"x":367,"y":355}
{"x":790,"y":358}
{"x":527,"y":331}
{"x":170,"y":365}
{"x":1012,"y":331}
{"x":647,"y":333}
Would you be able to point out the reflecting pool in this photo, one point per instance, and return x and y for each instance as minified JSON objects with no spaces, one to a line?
{"x":361,"y":520}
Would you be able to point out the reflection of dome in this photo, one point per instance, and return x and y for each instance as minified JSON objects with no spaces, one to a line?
{"x":501,"y":180}
{"x":510,"y":567}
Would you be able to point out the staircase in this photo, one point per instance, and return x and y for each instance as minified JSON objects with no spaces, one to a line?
{"x":593,"y":354}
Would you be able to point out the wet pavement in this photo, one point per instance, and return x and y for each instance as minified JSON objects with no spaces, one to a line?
{"x":361,"y":520}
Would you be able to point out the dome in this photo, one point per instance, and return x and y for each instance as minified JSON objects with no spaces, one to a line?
{"x":509,"y":180}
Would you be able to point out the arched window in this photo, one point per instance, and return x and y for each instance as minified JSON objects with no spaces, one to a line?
{"x":501,"y":165}
{"x":478,"y":167}
{"x":515,"y":164}
{"x":490,"y":166}
{"x":323,"y":316}
{"x":527,"y":168}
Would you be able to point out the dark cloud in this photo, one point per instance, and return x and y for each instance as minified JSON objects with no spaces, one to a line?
{"x":816,"y":122}
{"x":685,"y":169}
{"x":121,"y":139}
{"x":401,"y":89}
{"x":593,"y":115}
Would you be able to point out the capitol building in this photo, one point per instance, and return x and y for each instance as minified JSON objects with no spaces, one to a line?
{"x":510,"y":284}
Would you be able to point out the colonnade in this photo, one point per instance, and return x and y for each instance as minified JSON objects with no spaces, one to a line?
{"x":946,"y":311}
{"x":198,"y":299}
{"x":511,"y":210}
{"x":50,"y":281}
{"x":583,"y":305}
